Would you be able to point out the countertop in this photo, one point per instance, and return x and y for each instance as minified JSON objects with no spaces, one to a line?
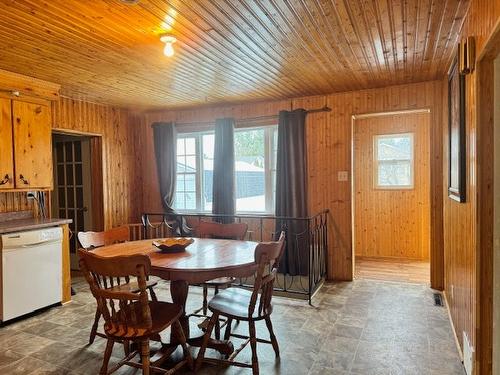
{"x":19,"y":225}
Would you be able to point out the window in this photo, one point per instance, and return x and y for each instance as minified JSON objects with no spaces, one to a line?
{"x":393,"y":154}
{"x":255,"y":170}
{"x":195,"y":160}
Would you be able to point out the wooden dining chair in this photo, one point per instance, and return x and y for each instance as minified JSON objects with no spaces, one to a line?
{"x":129,"y":316}
{"x":210,"y":229}
{"x":92,"y":240}
{"x":247,"y":305}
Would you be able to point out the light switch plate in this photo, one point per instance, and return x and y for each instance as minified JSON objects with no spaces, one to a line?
{"x":342,"y":176}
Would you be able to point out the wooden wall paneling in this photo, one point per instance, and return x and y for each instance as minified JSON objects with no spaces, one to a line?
{"x":29,"y":86}
{"x":329,"y":152}
{"x":391,"y":223}
{"x":97,"y":183}
{"x":118,"y":153}
{"x":465,"y":257}
{"x":6,"y":150}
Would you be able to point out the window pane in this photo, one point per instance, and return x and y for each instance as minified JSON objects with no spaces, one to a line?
{"x":180,"y":183}
{"x":249,"y":148}
{"x":394,"y":162}
{"x":190,"y":182}
{"x":181,"y":164}
{"x":179,"y":201}
{"x":394,"y":148}
{"x":190,"y":146}
{"x":190,"y":163}
{"x":180,"y":146}
{"x":190,"y":201}
{"x":394,"y":173}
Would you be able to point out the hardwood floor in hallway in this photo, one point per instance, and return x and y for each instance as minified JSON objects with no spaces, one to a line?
{"x":392,"y":269}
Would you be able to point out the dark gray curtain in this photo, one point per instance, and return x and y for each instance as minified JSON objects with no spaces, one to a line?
{"x":291,"y":189}
{"x":224,"y":200}
{"x":165,"y":143}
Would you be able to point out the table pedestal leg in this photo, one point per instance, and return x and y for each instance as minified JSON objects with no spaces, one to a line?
{"x":194,"y":335}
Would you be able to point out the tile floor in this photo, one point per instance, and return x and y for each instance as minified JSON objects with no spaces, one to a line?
{"x":363,"y":327}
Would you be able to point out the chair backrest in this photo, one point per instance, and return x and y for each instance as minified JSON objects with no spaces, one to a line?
{"x":91,"y":240}
{"x":231,"y":231}
{"x":126,"y":313}
{"x":267,"y":257}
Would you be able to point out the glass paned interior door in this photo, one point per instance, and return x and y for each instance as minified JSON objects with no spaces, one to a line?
{"x":71,"y":198}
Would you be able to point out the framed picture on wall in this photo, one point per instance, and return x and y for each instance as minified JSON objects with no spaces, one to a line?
{"x":456,"y":134}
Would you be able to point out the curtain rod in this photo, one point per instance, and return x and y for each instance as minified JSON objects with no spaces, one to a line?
{"x":249,"y":119}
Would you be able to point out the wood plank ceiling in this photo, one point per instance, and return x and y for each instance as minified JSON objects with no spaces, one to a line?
{"x":227,"y":50}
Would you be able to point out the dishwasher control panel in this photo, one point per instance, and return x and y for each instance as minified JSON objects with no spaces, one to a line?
{"x":14,"y":240}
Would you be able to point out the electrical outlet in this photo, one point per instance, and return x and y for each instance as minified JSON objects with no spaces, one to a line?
{"x":468,"y":355}
{"x":31,"y":195}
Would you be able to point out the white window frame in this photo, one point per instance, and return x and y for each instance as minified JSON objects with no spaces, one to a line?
{"x":377,"y":162}
{"x":270,"y":131}
{"x":198,"y":136}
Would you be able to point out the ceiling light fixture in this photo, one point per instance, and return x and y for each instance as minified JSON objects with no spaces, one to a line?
{"x":169,"y":40}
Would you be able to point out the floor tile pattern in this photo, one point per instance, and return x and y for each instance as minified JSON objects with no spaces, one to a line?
{"x":363,"y":327}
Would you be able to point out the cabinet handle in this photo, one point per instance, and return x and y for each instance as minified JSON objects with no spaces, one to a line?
{"x":5,"y":180}
{"x":25,"y":181}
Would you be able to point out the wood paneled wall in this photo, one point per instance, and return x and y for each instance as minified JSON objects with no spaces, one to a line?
{"x":329,"y":151}
{"x":118,"y":152}
{"x":391,"y":222}
{"x":465,"y":274}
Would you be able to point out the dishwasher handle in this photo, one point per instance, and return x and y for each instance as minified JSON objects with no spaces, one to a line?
{"x":42,"y":242}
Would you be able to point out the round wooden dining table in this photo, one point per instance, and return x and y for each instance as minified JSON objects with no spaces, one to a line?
{"x":205,"y":259}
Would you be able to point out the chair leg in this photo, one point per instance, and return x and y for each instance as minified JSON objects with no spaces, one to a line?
{"x":145,"y":357}
{"x":107,"y":356}
{"x":126,"y":347}
{"x":93,"y":331}
{"x":227,"y":333}
{"x":153,"y":295}
{"x":253,"y":344}
{"x":179,"y":334}
{"x":274,"y":341}
{"x":206,"y":337}
{"x":205,"y":299}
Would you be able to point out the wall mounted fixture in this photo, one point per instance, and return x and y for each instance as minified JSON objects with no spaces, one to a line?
{"x":169,"y":40}
{"x":467,"y":56}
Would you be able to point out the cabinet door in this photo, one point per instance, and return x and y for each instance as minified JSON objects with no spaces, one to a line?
{"x":32,"y":145}
{"x":6,"y":156}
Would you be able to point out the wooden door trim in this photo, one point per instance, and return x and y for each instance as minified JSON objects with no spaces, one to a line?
{"x":436,"y":249}
{"x":483,"y":312}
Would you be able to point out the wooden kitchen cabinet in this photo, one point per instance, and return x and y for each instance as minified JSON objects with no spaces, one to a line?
{"x":32,"y":145}
{"x":25,"y":145}
{"x":6,"y":150}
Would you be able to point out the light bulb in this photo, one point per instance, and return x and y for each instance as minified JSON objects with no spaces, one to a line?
{"x":168,"y":50}
{"x":169,"y":40}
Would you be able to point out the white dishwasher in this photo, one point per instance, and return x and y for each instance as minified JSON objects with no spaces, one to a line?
{"x":31,"y":271}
